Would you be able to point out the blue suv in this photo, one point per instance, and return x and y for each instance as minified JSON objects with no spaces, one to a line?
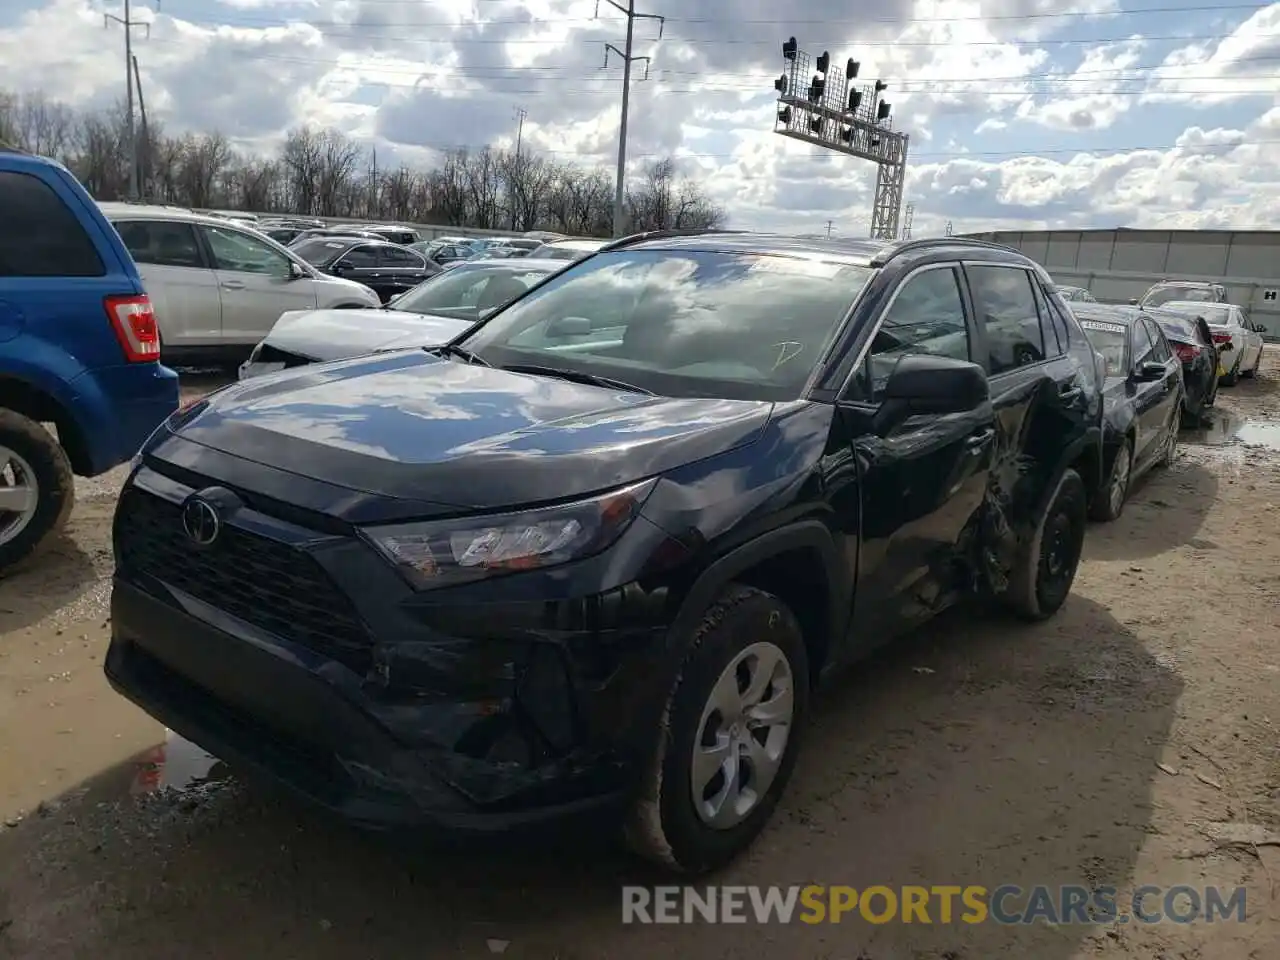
{"x":79,"y":348}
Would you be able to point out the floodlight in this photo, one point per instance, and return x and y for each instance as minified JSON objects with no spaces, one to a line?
{"x":851,"y":69}
{"x":855,"y":100}
{"x":781,"y":83}
{"x":847,"y":134}
{"x":882,"y":111}
{"x":785,"y":115}
{"x":824,"y":62}
{"x":817,"y":88}
{"x":881,"y":86}
{"x":815,"y":124}
{"x":789,"y":48}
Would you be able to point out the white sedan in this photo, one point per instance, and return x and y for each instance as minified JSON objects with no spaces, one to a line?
{"x":1239,"y":341}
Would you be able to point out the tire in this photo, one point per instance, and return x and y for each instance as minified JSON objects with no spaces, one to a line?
{"x":1105,"y":507}
{"x":26,"y":447}
{"x":1037,"y":587}
{"x":1253,"y":371}
{"x":667,"y":824}
{"x":1170,"y":451}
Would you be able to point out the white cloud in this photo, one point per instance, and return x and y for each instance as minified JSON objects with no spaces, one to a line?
{"x":1007,"y":124}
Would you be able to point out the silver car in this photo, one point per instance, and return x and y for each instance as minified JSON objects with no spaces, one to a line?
{"x":218,"y":286}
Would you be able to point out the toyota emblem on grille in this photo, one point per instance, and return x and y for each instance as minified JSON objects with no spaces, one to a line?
{"x":201,"y":521}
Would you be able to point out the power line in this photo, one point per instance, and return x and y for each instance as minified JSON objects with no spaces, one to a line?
{"x":1039,"y":42}
{"x":628,"y":58}
{"x":519,"y":73}
{"x":787,"y":21}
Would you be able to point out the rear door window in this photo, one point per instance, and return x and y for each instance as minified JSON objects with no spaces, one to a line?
{"x":361,"y":257}
{"x":1006,"y":308}
{"x":165,"y":243}
{"x":399,"y":257}
{"x":41,"y":237}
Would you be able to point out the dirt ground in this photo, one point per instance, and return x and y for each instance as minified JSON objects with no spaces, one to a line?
{"x":1101,"y":747}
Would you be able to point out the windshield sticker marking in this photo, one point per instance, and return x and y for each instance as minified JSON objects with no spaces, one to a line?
{"x":796,"y":267}
{"x":1104,"y":327}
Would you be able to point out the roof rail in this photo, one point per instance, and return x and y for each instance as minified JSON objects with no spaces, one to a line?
{"x":660,"y":235}
{"x":906,"y":246}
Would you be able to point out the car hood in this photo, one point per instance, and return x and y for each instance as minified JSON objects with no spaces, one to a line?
{"x":437,"y":431}
{"x":337,"y":334}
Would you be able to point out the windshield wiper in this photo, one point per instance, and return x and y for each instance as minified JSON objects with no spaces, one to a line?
{"x":577,"y":376}
{"x":462,"y":353}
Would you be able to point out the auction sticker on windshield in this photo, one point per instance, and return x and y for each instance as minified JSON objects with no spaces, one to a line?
{"x":1119,"y":328}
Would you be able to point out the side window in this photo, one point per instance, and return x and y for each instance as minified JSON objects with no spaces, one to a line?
{"x":926,"y":317}
{"x":1143,"y":348}
{"x":41,"y":237}
{"x":1061,"y":328}
{"x":1159,"y":346}
{"x":360,"y":257}
{"x":397,"y":257}
{"x":1053,"y":347}
{"x":241,"y":253}
{"x":1006,"y":307}
{"x":165,"y":243}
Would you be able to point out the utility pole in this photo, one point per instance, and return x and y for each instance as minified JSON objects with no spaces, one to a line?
{"x":521,"y":113}
{"x":908,"y":217}
{"x":131,"y":146}
{"x":830,"y":224}
{"x":144,"y":164}
{"x":619,"y":213}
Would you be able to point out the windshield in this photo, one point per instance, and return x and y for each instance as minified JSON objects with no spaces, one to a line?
{"x":1163,"y":295}
{"x":1111,"y":340}
{"x":681,"y":323}
{"x":319,"y":251}
{"x":469,"y":292}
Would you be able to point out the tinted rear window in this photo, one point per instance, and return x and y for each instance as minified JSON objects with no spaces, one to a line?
{"x":318,"y":251}
{"x":1174,"y":292}
{"x":41,"y":236}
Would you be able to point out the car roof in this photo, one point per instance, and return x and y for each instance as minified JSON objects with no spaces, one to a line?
{"x":1191,"y":306}
{"x":854,"y":252}
{"x":148,"y":211}
{"x":1106,"y":312}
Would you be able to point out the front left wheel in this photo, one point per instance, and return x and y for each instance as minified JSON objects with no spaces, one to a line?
{"x":37,"y":488}
{"x":1042,"y":577}
{"x":729,"y":738}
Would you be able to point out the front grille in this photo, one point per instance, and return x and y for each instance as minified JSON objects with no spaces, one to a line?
{"x":264,"y":582}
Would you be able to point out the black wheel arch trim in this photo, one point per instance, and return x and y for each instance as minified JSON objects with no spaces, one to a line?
{"x":808,"y":534}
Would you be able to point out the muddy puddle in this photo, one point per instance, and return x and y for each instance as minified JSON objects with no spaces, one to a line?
{"x":175,"y":764}
{"x":1224,"y":428}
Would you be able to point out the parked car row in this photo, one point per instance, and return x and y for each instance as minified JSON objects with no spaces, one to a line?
{"x":552,"y":536}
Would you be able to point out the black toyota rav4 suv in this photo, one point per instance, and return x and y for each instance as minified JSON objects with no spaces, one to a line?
{"x":595,"y":554}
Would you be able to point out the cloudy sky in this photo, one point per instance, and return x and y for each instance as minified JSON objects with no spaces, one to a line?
{"x":1033,"y":112}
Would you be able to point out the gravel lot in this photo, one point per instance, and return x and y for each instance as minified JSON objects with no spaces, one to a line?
{"x":1100,"y":747}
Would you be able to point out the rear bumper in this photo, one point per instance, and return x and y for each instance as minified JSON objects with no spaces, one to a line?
{"x":122,"y":406}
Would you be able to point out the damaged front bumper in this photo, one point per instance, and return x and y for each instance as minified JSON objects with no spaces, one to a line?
{"x":470,"y":717}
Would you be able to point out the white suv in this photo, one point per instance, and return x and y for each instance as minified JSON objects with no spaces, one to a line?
{"x":218,"y":287}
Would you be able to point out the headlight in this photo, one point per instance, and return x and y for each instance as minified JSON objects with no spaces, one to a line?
{"x":436,"y":554}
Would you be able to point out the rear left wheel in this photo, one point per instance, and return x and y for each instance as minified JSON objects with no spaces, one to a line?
{"x":730,"y":736}
{"x":1042,"y":578}
{"x":1109,"y":503}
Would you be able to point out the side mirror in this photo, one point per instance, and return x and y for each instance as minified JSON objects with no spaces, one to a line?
{"x":937,"y":385}
{"x":296,"y":272}
{"x":1133,"y":301}
{"x":1150,"y":371}
{"x":338,"y":269}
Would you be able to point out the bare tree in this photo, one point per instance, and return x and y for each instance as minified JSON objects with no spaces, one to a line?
{"x":324,"y":172}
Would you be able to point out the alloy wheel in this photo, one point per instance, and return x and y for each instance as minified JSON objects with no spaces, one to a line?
{"x":742,"y":736}
{"x":1120,"y":480}
{"x":19,"y":494}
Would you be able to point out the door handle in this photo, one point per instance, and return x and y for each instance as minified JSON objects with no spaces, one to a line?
{"x":977,"y":441}
{"x":1070,"y":394}
{"x":232,"y":285}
